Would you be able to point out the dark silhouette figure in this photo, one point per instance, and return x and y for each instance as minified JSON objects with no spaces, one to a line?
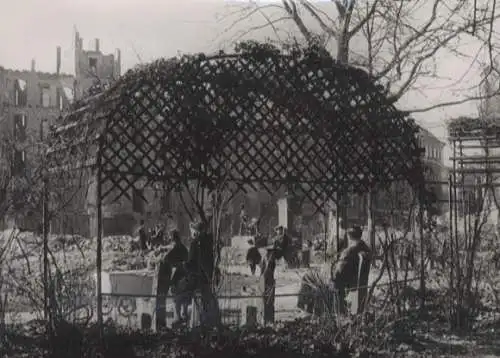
{"x":253,"y":257}
{"x":345,"y":271}
{"x":143,"y":237}
{"x":268,"y":284}
{"x":201,"y":273}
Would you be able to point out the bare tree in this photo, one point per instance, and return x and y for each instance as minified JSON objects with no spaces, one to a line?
{"x":397,"y":42}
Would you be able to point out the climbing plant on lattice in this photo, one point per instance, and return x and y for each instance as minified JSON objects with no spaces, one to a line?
{"x":259,"y":119}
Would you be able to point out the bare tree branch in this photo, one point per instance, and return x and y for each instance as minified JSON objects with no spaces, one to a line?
{"x":291,"y":8}
{"x":314,"y":13}
{"x":400,"y":41}
{"x":368,"y":17}
{"x":452,"y":103}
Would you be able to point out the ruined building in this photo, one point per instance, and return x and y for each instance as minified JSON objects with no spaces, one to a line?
{"x":30,"y":101}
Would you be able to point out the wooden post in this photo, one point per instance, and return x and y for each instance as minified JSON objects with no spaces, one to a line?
{"x":251,"y":316}
{"x":422,"y":251}
{"x":455,"y":257}
{"x":462,"y":177}
{"x":337,"y":219}
{"x":371,"y":219}
{"x":46,"y":267}
{"x":248,"y":309}
{"x":99,"y":241}
{"x":450,"y":224}
{"x":45,"y":253}
{"x":268,"y":287}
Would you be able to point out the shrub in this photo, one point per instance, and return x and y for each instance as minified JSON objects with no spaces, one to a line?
{"x":358,"y":337}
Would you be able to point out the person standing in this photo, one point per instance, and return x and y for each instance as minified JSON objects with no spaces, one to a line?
{"x":201,"y":273}
{"x":180,"y":290}
{"x":143,"y":238}
{"x":253,"y":257}
{"x":281,"y":243}
{"x":163,"y":274}
{"x":344,"y":273}
{"x":243,"y":220}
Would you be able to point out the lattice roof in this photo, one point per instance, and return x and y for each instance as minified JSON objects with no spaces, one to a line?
{"x":474,"y":127}
{"x":258,"y":119}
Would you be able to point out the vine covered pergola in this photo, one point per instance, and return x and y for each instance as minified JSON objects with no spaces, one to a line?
{"x":260,"y":119}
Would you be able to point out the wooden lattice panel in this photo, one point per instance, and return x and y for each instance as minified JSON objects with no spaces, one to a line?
{"x":305,"y":122}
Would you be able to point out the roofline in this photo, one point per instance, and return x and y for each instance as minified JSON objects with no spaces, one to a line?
{"x":429,"y":133}
{"x":60,"y":75}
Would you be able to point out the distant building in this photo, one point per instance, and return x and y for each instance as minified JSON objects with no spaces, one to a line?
{"x":30,"y":101}
{"x":392,"y":207}
{"x":93,"y":66}
{"x":436,"y":172}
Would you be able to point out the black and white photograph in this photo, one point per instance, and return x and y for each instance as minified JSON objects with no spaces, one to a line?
{"x":249,"y":178}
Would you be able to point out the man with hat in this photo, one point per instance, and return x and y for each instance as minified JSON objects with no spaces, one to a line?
{"x":345,"y":272}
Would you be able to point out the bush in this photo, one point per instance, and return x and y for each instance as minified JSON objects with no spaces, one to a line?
{"x":300,"y":338}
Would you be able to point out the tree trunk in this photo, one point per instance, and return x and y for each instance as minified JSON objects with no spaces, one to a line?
{"x":343,"y":48}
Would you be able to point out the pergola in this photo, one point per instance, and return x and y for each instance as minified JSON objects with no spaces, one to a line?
{"x":260,"y":119}
{"x":475,"y":144}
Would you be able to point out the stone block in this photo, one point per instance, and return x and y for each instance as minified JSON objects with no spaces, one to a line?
{"x":241,"y":241}
{"x":251,"y":316}
{"x":133,"y":282}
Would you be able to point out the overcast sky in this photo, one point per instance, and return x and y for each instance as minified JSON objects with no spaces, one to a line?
{"x":145,"y":30}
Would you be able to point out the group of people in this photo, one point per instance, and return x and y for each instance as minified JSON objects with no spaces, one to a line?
{"x":181,"y":271}
{"x":281,"y":244}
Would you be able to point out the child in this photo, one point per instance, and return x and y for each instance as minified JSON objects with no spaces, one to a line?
{"x":253,"y":257}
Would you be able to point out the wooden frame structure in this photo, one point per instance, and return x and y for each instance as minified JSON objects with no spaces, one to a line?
{"x":261,"y":119}
{"x":475,"y":146}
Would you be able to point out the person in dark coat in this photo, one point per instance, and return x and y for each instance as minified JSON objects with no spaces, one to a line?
{"x":281,"y":242}
{"x":183,"y":295}
{"x":200,"y":263}
{"x":177,"y":257}
{"x":164,"y":273}
{"x":253,"y":257}
{"x":201,"y":272}
{"x":179,"y":253}
{"x":344,"y":273}
{"x":143,"y":237}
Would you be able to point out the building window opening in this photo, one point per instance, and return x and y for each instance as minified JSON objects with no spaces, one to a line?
{"x":19,"y":162}
{"x":45,"y":97}
{"x":20,"y":125}
{"x":20,"y":93}
{"x":93,"y":64}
